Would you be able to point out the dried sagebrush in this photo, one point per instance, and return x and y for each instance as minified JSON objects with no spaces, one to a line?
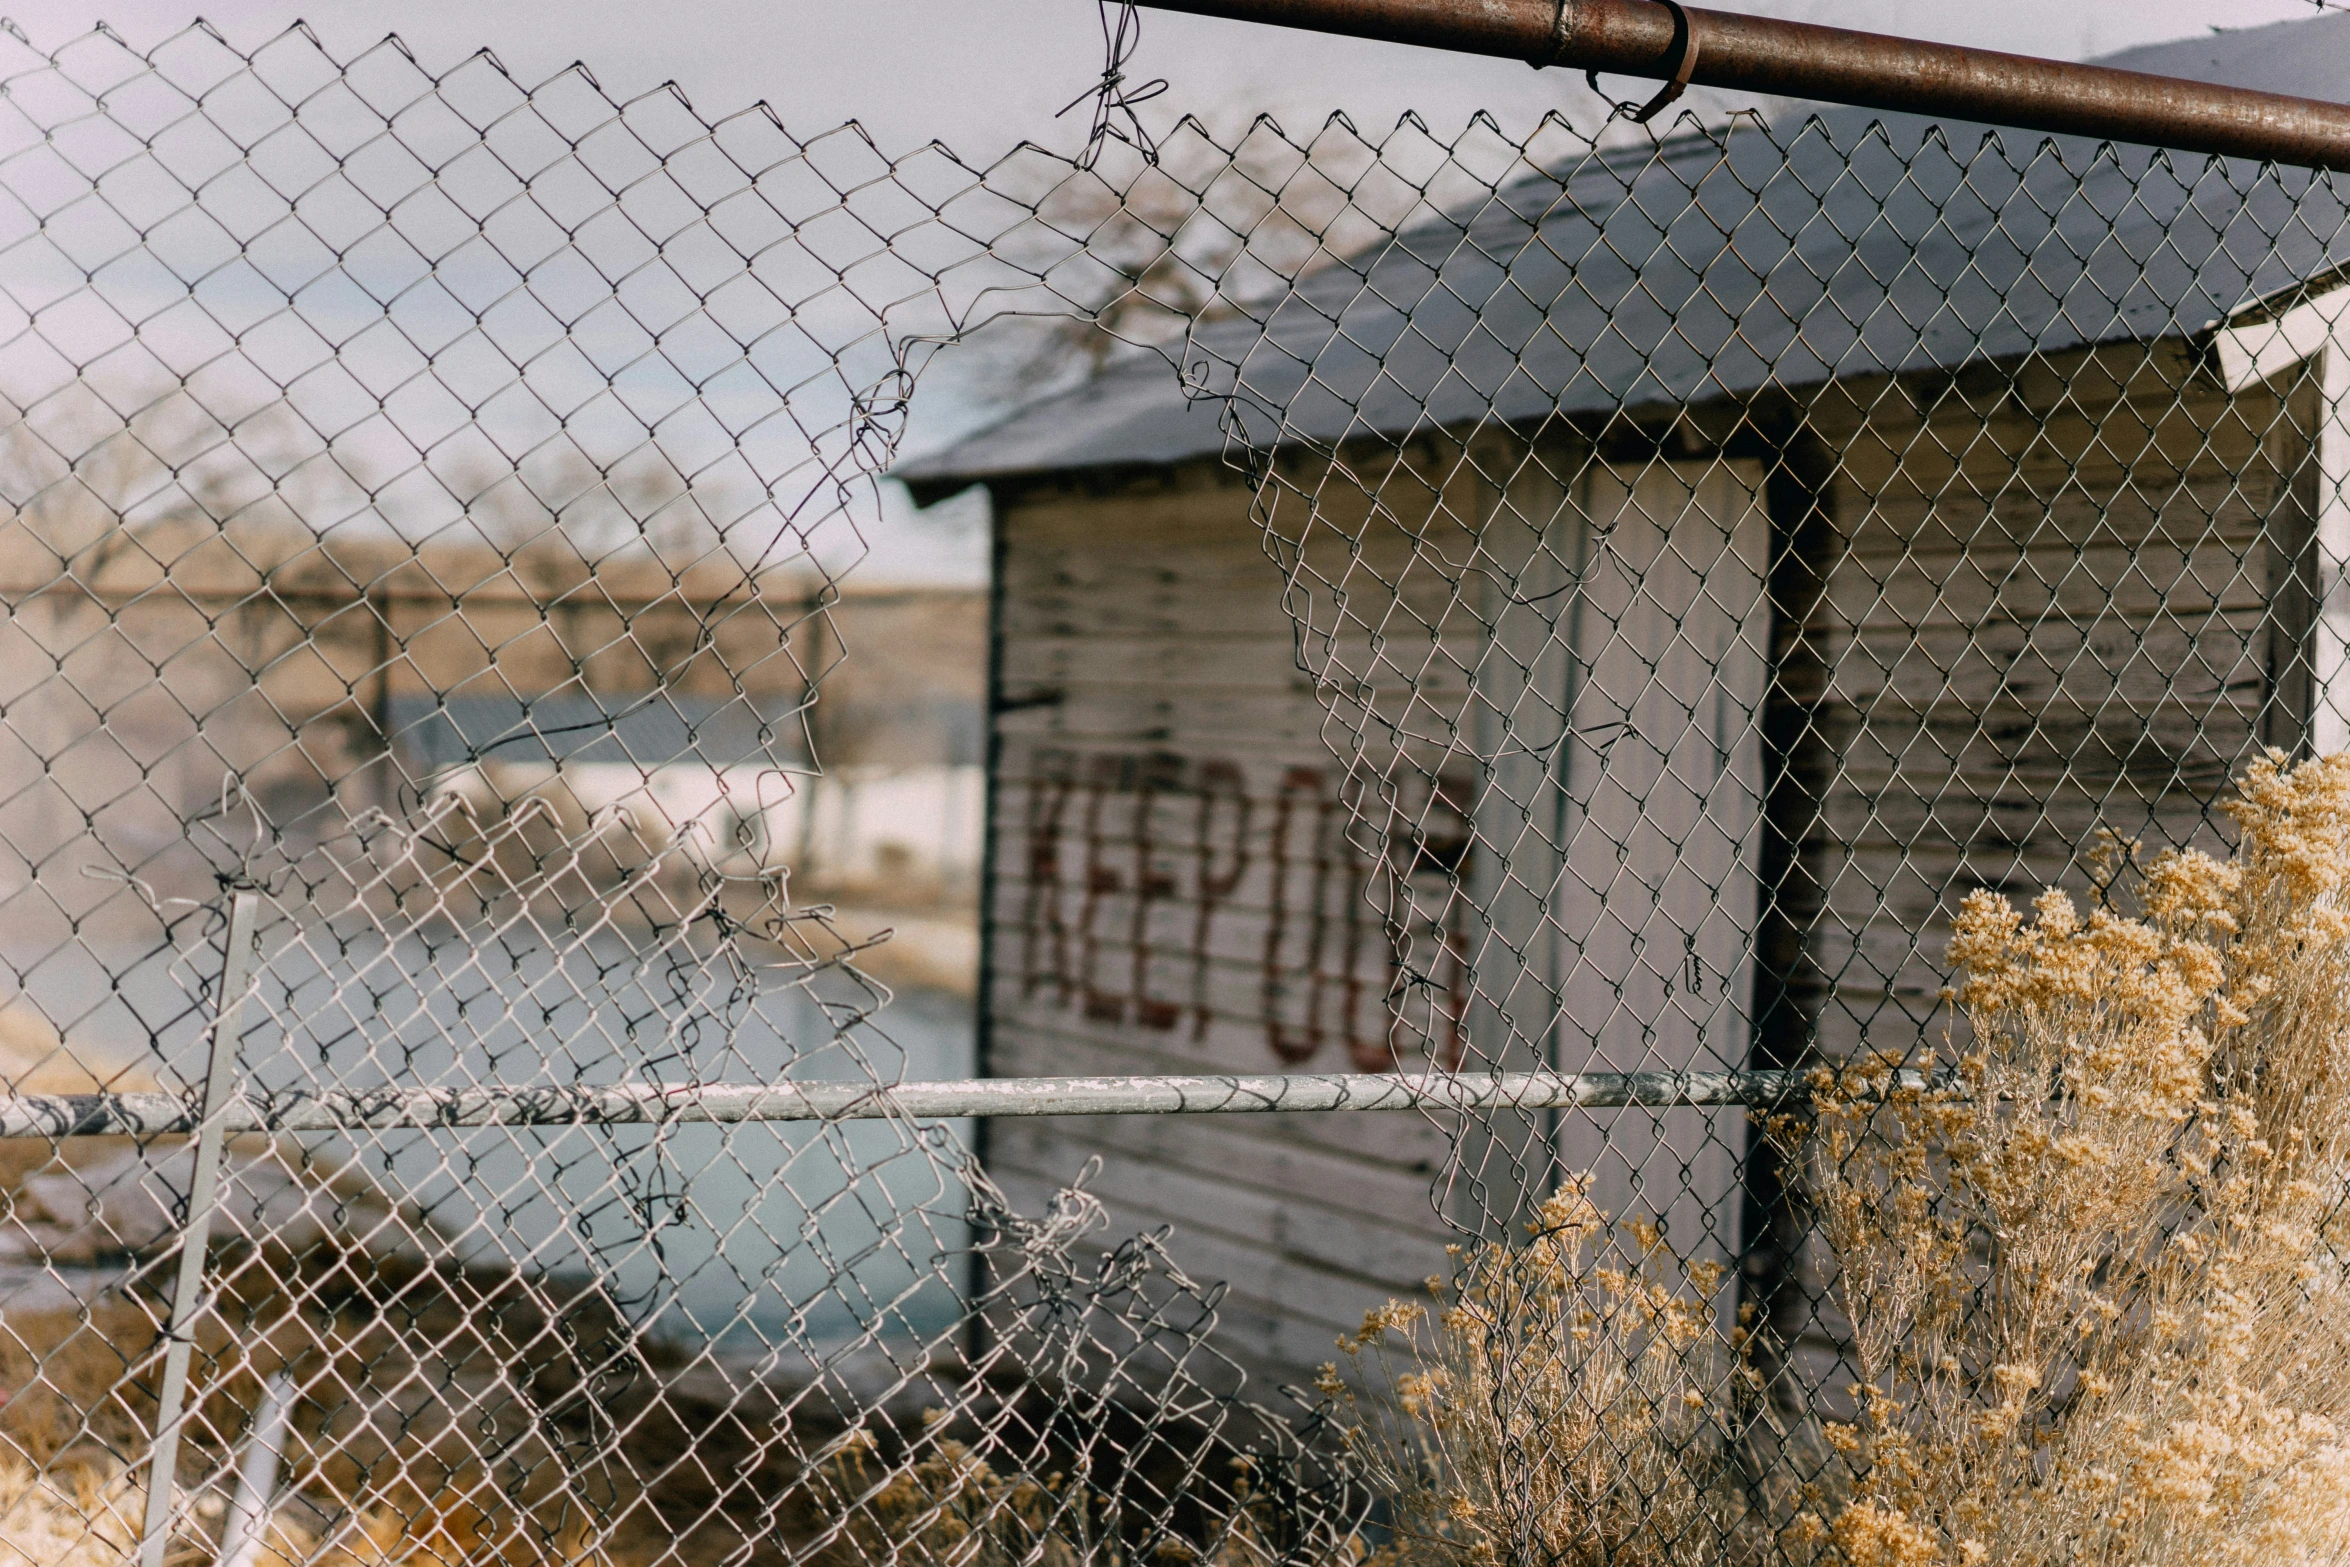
{"x":942,"y":1504}
{"x":1572,"y":1401}
{"x":2097,"y":1286}
{"x":2095,"y":1274}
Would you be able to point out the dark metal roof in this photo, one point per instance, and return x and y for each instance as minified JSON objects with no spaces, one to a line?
{"x":1835,"y":243}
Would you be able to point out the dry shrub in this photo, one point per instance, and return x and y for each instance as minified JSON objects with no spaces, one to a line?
{"x":2097,"y":1273}
{"x":1571,"y":1401}
{"x":942,"y":1504}
{"x":2097,"y":1288}
{"x":949,"y":1506}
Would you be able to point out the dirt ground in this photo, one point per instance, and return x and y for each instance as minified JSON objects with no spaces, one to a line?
{"x":442,"y":1413}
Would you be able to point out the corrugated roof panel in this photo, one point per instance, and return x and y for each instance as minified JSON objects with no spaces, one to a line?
{"x":1844,"y":243}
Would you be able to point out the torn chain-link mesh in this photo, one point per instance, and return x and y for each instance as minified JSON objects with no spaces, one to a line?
{"x":1694,"y":563}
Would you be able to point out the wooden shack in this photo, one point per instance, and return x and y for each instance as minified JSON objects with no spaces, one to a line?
{"x":1604,"y":629}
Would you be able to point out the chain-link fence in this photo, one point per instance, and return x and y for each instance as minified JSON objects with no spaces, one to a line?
{"x":1558,"y":625}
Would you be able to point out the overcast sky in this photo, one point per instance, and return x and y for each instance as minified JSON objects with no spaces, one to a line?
{"x":982,"y":73}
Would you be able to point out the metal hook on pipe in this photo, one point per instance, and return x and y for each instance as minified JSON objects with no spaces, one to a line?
{"x":1683,"y":65}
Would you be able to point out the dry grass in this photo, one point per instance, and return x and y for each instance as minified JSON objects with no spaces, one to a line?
{"x":940,"y":1502}
{"x":446,"y":1418}
{"x":432,"y":1397}
{"x":443,"y":1414}
{"x":75,"y":1428}
{"x":77,"y":1517}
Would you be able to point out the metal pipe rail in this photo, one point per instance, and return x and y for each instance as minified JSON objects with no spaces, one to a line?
{"x":635,"y":1104}
{"x":1870,"y":70}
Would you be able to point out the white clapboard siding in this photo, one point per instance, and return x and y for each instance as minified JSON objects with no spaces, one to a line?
{"x":1620,"y":834}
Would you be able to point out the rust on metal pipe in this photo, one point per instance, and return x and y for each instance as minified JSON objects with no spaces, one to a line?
{"x":1868,"y":70}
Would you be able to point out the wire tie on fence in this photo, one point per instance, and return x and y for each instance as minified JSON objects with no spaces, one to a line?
{"x":1111,"y":96}
{"x":1683,"y":64}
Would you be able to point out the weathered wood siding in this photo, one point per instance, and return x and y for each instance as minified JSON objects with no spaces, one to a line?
{"x":1191,"y":840}
{"x":2059,"y":599}
{"x":1620,"y":821}
{"x":1174,"y":891}
{"x":1695,"y":751}
{"x":2014,"y":608}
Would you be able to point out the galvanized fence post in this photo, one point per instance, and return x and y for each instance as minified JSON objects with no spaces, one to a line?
{"x":236,"y":975}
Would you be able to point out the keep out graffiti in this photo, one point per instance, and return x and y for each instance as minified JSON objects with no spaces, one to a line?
{"x":1165,"y":892}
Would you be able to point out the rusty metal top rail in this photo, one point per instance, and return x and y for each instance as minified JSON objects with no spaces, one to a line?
{"x":1868,"y":70}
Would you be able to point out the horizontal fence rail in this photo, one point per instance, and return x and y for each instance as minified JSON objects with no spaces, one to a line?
{"x":1689,"y":46}
{"x":633,"y":1104}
